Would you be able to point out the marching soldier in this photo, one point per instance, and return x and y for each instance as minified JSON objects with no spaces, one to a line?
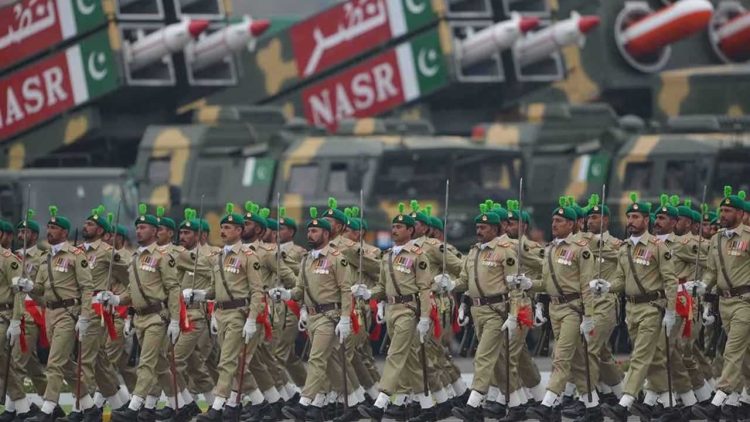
{"x":728,"y":269}
{"x":67,"y":289}
{"x":323,"y":287}
{"x":287,"y":231}
{"x":645,"y":272}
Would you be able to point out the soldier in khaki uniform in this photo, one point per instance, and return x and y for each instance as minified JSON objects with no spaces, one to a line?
{"x":154,"y":293}
{"x":405,"y":281}
{"x":645,"y":272}
{"x":728,"y":268}
{"x":568,"y":269}
{"x":67,"y":289}
{"x":483,"y":276}
{"x":323,"y":287}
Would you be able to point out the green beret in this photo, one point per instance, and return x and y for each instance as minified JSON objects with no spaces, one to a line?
{"x":255,"y":214}
{"x":735,"y":201}
{"x":190,"y":222}
{"x":419,"y":215}
{"x":122,"y":230}
{"x":144,"y":218}
{"x":355,"y":224}
{"x":272,"y":224}
{"x":321,"y":223}
{"x":580,"y":213}
{"x":686,"y":210}
{"x":713,"y":217}
{"x":98,"y":216}
{"x":594,"y":207}
{"x":363,"y":222}
{"x":205,"y":226}
{"x":437,"y":223}
{"x":56,"y":220}
{"x":514,"y":213}
{"x":286,"y":221}
{"x":565,"y":210}
{"x":351,"y":216}
{"x":486,"y":217}
{"x":668,"y":205}
{"x":652,"y":218}
{"x":334,"y":212}
{"x":6,"y":227}
{"x":638,"y":206}
{"x":696,"y":217}
{"x":29,"y":222}
{"x":232,"y":217}
{"x":403,"y":218}
{"x":165,"y":221}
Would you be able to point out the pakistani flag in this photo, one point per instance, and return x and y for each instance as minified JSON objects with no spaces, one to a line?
{"x":79,"y":16}
{"x":422,"y":66}
{"x":92,"y":66}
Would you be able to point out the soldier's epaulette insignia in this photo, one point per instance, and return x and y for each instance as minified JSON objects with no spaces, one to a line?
{"x":654,"y":240}
{"x":617,"y":242}
{"x":107,"y":247}
{"x":581,"y":242}
{"x":347,"y":242}
{"x":76,"y":250}
{"x":685,"y":240}
{"x":505,"y":244}
{"x":335,"y":252}
{"x":249,"y":251}
{"x":180,"y":248}
{"x":431,"y":241}
{"x":416,"y":249}
{"x":251,"y":247}
{"x":270,"y":247}
{"x":7,"y":253}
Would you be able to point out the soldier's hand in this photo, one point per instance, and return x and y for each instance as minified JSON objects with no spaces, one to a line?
{"x":214,"y":324}
{"x":518,"y":282}
{"x":302,"y":323}
{"x":599,"y":286}
{"x":278,"y":294}
{"x":107,"y":298}
{"x":22,"y":284}
{"x":361,"y":291}
{"x":668,"y":321}
{"x":173,"y":331}
{"x":380,"y":315}
{"x":194,"y":295}
{"x":81,"y":326}
{"x":587,"y":327}
{"x":343,"y":328}
{"x":707,"y":318}
{"x":695,"y":287}
{"x":127,"y":329}
{"x":249,"y":330}
{"x":510,"y":325}
{"x":539,"y":318}
{"x":463,"y":319}
{"x":14,"y":332}
{"x":443,"y":283}
{"x":423,"y":327}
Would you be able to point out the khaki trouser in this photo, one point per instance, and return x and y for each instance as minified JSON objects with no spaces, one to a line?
{"x":657,"y":373}
{"x":566,"y":322}
{"x":488,"y":322}
{"x":190,"y":359}
{"x":96,"y":369}
{"x":262,"y":366}
{"x":231,"y":323}
{"x":153,"y":368}
{"x":15,"y":383}
{"x":644,"y":327}
{"x":413,"y":379}
{"x":735,"y":316}
{"x":603,"y":364}
{"x":62,"y":338}
{"x":401,"y":323}
{"x":210,"y":344}
{"x":285,"y":333}
{"x":27,"y":365}
{"x":527,"y":369}
{"x":320,"y":328}
{"x":118,"y":351}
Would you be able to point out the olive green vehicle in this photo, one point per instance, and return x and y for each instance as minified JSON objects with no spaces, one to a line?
{"x":251,"y":153}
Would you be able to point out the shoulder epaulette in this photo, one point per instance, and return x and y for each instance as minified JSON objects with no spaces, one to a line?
{"x":504,"y":244}
{"x":7,"y":253}
{"x":416,"y":249}
{"x":617,"y":242}
{"x":431,"y":241}
{"x":76,"y":250}
{"x":249,"y":251}
{"x":685,"y":240}
{"x":746,"y":229}
{"x":335,"y":252}
{"x":251,"y":247}
{"x":581,"y":242}
{"x":270,"y":247}
{"x":654,"y":240}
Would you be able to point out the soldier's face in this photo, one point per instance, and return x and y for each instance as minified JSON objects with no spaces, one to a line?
{"x":420,"y":228}
{"x":145,"y":234}
{"x":56,"y":234}
{"x":664,"y":224}
{"x":164,"y":235}
{"x":336,"y":226}
{"x":730,"y":217}
{"x":269,"y":236}
{"x":486,"y":232}
{"x":27,"y":234}
{"x":561,"y":227}
{"x":401,"y":233}
{"x":352,"y":235}
{"x":511,"y":228}
{"x":317,"y":237}
{"x":594,"y":223}
{"x":637,"y":223}
{"x":231,"y":233}
{"x":188,"y":238}
{"x":706,"y":230}
{"x":286,"y":234}
{"x":91,"y":230}
{"x":251,"y":231}
{"x":5,"y":239}
{"x":119,"y":242}
{"x":683,"y":225}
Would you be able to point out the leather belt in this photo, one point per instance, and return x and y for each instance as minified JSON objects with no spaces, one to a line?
{"x":63,"y":303}
{"x":392,"y":300}
{"x":323,"y":308}
{"x":6,"y":306}
{"x":734,"y":291}
{"x":153,"y":308}
{"x":488,"y":300}
{"x":563,"y":299}
{"x":231,"y":304}
{"x":646,"y":297}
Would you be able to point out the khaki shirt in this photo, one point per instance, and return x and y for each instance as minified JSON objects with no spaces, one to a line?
{"x":292,"y":255}
{"x":433,"y":250}
{"x":121,"y":274}
{"x":10,"y":266}
{"x":532,"y":256}
{"x":192,"y":276}
{"x":572,"y":264}
{"x":736,"y":253}
{"x":350,"y":250}
{"x":266,"y":253}
{"x":653,"y":264}
{"x":607,"y":254}
{"x":99,"y":255}
{"x":237,"y":275}
{"x":484,"y":270}
{"x":153,"y":279}
{"x":70,"y":274}
{"x":405,"y":273}
{"x":325,"y":280}
{"x":33,"y":260}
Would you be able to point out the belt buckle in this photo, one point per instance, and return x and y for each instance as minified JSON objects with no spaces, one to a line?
{"x":726,"y":294}
{"x":555,"y":300}
{"x":477,"y":301}
{"x":311,"y":310}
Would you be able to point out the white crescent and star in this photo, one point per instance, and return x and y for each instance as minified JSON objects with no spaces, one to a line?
{"x":415,"y":8}
{"x":425,"y":57}
{"x":85,"y":8}
{"x":95,"y":72}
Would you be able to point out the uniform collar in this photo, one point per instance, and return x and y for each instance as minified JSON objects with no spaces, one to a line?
{"x":93,"y":245}
{"x":148,"y":248}
{"x":568,"y":239}
{"x":30,"y":250}
{"x":315,"y":254}
{"x":232,"y":248}
{"x":643,"y":239}
{"x":287,"y":245}
{"x":489,"y":245}
{"x":55,"y":249}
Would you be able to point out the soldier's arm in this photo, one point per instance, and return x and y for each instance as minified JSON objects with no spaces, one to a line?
{"x":533,"y":259}
{"x":287,"y":276}
{"x":424,"y":284}
{"x":668,"y":274}
{"x":291,"y":262}
{"x":11,"y":271}
{"x":453,"y":263}
{"x":617,"y":284}
{"x":378,"y":290}
{"x":587,"y":270}
{"x":372,"y":269}
{"x":510,"y":264}
{"x":709,"y":275}
{"x":86,"y":284}
{"x":38,"y":290}
{"x":170,"y":284}
{"x":343,"y":278}
{"x":257,"y":292}
{"x":462,"y":282}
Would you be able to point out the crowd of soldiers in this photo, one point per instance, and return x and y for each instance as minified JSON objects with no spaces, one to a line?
{"x":122,"y":326}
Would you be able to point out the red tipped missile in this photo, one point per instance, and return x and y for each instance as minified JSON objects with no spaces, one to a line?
{"x":497,"y":37}
{"x":652,"y":32}
{"x":216,"y":46}
{"x":541,"y":44}
{"x":161,"y":43}
{"x":733,"y":38}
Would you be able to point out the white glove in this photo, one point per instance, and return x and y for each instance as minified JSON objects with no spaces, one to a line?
{"x":539,"y":318}
{"x":443,"y":283}
{"x":302,"y":323}
{"x":599,"y":286}
{"x":518,"y":282}
{"x":173,"y":331}
{"x":81,"y":326}
{"x":279,"y":294}
{"x":22,"y":284}
{"x":194,"y":295}
{"x":127,"y":329}
{"x":14,"y":332}
{"x":511,"y":325}
{"x":423,"y":326}
{"x":587,"y":327}
{"x":343,"y":328}
{"x":668,"y":321}
{"x":214,"y":324}
{"x":695,"y":288}
{"x":463,"y":319}
{"x":361,"y":291}
{"x":249,"y":330}
{"x":107,"y":298}
{"x":380,"y":316}
{"x":707,"y":317}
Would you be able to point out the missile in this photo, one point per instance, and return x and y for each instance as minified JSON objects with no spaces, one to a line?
{"x":6,"y":3}
{"x":733,"y":38}
{"x":168,"y":40}
{"x":654,"y":31}
{"x":216,"y":46}
{"x":497,"y":37}
{"x":541,"y":44}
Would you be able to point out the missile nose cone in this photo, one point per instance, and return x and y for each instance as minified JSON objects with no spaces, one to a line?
{"x":528,"y":23}
{"x":587,"y":23}
{"x":259,"y":26}
{"x":196,"y":26}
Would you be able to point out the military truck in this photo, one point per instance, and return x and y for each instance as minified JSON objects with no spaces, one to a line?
{"x":253,"y":153}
